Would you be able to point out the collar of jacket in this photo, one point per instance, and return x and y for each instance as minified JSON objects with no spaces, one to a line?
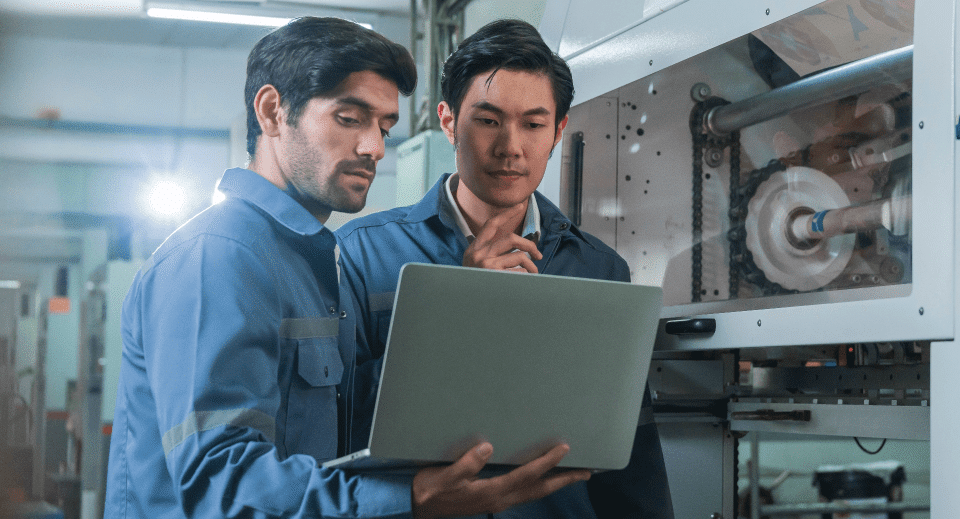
{"x":261,"y":193}
{"x":430,"y":206}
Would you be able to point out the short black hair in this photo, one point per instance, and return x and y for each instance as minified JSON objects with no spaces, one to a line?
{"x":505,"y":44}
{"x":310,"y":56}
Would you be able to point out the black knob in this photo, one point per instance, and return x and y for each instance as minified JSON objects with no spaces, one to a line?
{"x":691,"y":326}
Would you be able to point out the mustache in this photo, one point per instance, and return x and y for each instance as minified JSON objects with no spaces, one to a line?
{"x":364,"y":164}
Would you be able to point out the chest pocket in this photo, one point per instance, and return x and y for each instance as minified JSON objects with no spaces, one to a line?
{"x":311,"y":425}
{"x":318,"y":361}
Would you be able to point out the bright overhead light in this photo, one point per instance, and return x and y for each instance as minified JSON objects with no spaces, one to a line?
{"x":167,"y":198}
{"x":9,"y":283}
{"x":207,"y":16}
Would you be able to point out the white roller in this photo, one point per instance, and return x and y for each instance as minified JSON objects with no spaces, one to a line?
{"x":774,"y":206}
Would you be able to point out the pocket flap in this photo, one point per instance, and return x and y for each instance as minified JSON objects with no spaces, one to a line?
{"x":318,"y":361}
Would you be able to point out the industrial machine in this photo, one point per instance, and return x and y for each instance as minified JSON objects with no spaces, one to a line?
{"x":98,"y":376}
{"x":69,"y":447}
{"x":787,"y":171}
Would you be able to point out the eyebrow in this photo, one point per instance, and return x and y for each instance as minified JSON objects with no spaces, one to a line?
{"x":363,"y":105}
{"x":484,"y":105}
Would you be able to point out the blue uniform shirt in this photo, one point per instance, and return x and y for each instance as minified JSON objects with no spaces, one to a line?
{"x":373,"y":250}
{"x":237,"y":371}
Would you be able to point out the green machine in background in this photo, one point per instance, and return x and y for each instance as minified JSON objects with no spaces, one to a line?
{"x":421,"y":160}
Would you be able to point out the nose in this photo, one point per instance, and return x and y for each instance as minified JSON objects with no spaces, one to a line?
{"x":371,"y":143}
{"x":507,"y":144}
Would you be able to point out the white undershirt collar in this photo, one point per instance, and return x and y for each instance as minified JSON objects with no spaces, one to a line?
{"x":531,"y":223}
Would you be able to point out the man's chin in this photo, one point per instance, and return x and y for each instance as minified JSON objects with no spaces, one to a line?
{"x":351,"y":207}
{"x":506,"y":201}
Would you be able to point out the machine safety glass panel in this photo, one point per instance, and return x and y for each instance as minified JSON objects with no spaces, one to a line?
{"x":775,"y":165}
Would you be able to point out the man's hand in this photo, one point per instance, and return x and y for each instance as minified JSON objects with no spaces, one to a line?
{"x":498,"y":249}
{"x":455,"y":490}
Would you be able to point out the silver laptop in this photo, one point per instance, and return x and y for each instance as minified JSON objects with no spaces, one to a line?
{"x":522,"y":361}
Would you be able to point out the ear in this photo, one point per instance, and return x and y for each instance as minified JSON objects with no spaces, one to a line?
{"x":560,"y":127}
{"x":448,"y":121}
{"x":267,"y":106}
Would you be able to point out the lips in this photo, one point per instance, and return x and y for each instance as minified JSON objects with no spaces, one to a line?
{"x":362,"y":173}
{"x":363,"y":168}
{"x":506,"y":174}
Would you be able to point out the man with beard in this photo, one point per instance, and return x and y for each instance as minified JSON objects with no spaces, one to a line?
{"x":237,"y":376}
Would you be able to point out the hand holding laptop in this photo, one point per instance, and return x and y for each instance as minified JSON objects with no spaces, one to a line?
{"x":455,"y":490}
{"x":496,"y":250}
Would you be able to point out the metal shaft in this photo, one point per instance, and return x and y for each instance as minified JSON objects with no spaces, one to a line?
{"x":888,"y":213}
{"x":846,"y":80}
{"x":842,"y":507}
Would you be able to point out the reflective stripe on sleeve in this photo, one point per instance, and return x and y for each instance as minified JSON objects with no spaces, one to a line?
{"x":309,"y":327}
{"x":206,"y":420}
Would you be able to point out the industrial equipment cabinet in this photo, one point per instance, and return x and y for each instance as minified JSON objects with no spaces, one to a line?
{"x":787,"y":171}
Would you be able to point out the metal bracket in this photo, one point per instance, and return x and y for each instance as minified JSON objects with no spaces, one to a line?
{"x":772,"y":416}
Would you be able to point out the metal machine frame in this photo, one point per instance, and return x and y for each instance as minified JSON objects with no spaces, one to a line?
{"x":617,"y":54}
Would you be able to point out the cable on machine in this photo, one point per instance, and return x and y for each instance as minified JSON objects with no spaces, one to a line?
{"x":880,"y":448}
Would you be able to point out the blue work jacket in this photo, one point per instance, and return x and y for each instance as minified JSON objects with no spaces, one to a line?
{"x":373,"y":250}
{"x":237,"y":371}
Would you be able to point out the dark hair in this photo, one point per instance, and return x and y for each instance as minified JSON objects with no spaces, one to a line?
{"x":310,"y":56}
{"x":510,"y":45}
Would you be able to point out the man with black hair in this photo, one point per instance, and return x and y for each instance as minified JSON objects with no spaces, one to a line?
{"x":505,"y":103}
{"x":237,"y":375}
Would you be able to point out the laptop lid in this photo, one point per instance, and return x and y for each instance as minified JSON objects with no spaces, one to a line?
{"x":522,"y":361}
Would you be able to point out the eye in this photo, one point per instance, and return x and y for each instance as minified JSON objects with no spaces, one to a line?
{"x":487,"y":121}
{"x":347,"y":121}
{"x":535,"y":126}
{"x":384,"y":133}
